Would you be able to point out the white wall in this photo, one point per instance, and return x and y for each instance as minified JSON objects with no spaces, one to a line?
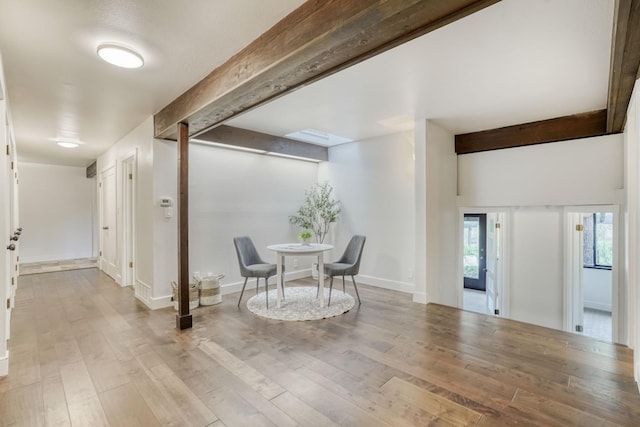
{"x":543,"y":178}
{"x":57,"y":213}
{"x":439,"y":160}
{"x":231,"y":193}
{"x":374,"y":180}
{"x":597,"y":290}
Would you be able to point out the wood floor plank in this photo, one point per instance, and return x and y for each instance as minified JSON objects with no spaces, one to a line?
{"x":159,"y":401}
{"x":440,"y":407}
{"x":22,"y":406}
{"x":124,"y":406}
{"x":252,"y":377}
{"x":56,"y":412}
{"x":301,"y":412}
{"x":176,"y":391}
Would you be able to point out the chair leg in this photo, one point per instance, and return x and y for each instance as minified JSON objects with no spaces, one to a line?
{"x":356,"y":287}
{"x":242,"y":292}
{"x":330,"y":289}
{"x":266,"y":291}
{"x":344,"y":290}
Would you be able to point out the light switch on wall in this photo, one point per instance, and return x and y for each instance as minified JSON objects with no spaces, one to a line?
{"x":168,"y":212}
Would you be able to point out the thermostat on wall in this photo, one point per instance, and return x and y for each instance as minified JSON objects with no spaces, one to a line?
{"x":166,"y":202}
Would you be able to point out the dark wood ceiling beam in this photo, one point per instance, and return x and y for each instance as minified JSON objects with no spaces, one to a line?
{"x":559,"y":129}
{"x":625,"y":62}
{"x":315,"y":40}
{"x":244,"y":138}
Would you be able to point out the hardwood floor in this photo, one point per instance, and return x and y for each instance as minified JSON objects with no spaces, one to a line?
{"x":84,"y":352}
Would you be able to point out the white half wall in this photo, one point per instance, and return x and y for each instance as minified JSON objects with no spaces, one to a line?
{"x":586,"y":171}
{"x":57,"y":213}
{"x":374,"y":180}
{"x":537,"y":266}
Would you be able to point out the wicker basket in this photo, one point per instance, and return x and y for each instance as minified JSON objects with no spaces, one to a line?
{"x":194,"y":296}
{"x":210,"y":290}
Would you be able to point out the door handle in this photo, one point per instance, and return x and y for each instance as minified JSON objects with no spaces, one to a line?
{"x":11,"y":247}
{"x":105,"y":228}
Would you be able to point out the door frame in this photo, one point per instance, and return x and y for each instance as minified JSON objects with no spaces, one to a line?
{"x":128,"y":203}
{"x":571,"y":291}
{"x":505,"y":267}
{"x":482,"y":256}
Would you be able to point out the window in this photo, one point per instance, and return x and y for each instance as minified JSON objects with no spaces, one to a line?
{"x":598,"y":240}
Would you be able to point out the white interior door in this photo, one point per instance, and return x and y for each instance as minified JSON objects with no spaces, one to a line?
{"x":492,"y":262}
{"x":108,"y":248}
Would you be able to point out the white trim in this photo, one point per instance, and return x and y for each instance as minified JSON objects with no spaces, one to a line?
{"x":618,"y":310}
{"x":420,"y":297}
{"x":160,"y":302}
{"x":4,"y":365}
{"x":385,"y":284}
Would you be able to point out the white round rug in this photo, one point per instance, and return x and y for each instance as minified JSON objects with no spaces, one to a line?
{"x":300,"y":303}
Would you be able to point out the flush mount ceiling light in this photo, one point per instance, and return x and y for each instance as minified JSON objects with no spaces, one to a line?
{"x":67,"y":144}
{"x":120,"y":56}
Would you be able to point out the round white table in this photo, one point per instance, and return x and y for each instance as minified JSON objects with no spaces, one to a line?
{"x":289,"y":249}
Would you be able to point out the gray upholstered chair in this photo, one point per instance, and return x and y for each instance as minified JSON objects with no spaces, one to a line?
{"x":347,"y":265}
{"x":251,"y":265}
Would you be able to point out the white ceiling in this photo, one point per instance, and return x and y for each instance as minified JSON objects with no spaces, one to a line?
{"x":514,"y":62}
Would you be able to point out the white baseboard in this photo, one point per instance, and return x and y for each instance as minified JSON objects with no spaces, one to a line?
{"x":385,"y":283}
{"x":160,"y":302}
{"x":4,"y":365}
{"x":51,"y":258}
{"x":420,"y":297}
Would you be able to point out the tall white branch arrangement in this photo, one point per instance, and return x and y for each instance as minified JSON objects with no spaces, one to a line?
{"x":318,"y":211}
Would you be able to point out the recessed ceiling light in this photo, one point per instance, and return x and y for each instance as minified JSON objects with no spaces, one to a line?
{"x":120,"y":56}
{"x":67,"y":144}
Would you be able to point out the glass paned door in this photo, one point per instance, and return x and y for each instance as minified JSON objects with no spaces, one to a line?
{"x":474,"y":241}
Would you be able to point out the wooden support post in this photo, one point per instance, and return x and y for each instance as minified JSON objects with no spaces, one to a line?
{"x":184,"y":319}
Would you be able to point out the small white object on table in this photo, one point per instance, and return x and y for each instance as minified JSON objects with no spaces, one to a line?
{"x":289,"y":249}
